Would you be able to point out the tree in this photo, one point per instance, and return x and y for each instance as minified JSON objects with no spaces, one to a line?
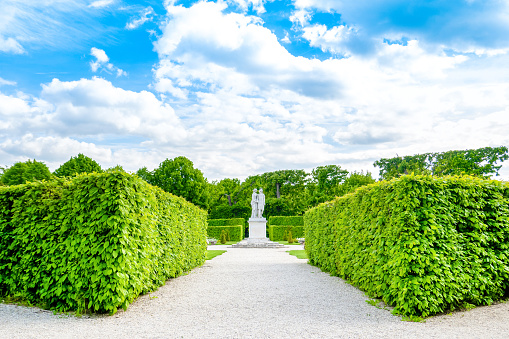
{"x":480,"y":162}
{"x":179,"y":177}
{"x":283,"y":182}
{"x":146,"y":175}
{"x":77,"y":165}
{"x":354,"y":181}
{"x":227,"y":188}
{"x":21,"y":172}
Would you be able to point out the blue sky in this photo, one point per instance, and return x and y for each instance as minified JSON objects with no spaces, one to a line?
{"x":243,"y":87}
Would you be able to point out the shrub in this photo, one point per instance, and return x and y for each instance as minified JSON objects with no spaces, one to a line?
{"x":419,"y":243}
{"x":226,"y":222}
{"x":277,"y":233}
{"x":222,"y":237}
{"x":22,"y":172}
{"x":290,"y":240}
{"x":95,"y":241}
{"x":286,"y":221}
{"x":235,"y":233}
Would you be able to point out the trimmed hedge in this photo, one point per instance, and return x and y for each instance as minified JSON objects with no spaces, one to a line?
{"x":286,"y":221}
{"x":279,"y":224}
{"x":226,"y":222}
{"x":95,"y":241}
{"x":277,"y":233}
{"x":236,"y":232}
{"x":422,"y":244}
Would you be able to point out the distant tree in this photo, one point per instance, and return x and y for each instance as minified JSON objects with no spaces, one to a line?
{"x":21,"y":172}
{"x":479,"y":162}
{"x":227,"y":188}
{"x":77,"y":165}
{"x":115,"y":168}
{"x":178,"y":176}
{"x":146,"y":175}
{"x":283,"y":182}
{"x":354,"y":181}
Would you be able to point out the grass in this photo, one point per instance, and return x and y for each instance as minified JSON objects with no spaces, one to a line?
{"x":301,"y":254}
{"x":214,"y":253}
{"x":286,"y":243}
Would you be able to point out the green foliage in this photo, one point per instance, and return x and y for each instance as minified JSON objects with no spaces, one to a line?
{"x":277,"y":233}
{"x":354,"y":181}
{"x":286,"y":220}
{"x":422,"y":244}
{"x":22,"y":172}
{"x":232,"y":232}
{"x":95,"y":241}
{"x":77,"y":165}
{"x":229,"y":212}
{"x":480,"y":162}
{"x":179,"y":177}
{"x":222,"y":237}
{"x":290,"y":240}
{"x":226,"y":222}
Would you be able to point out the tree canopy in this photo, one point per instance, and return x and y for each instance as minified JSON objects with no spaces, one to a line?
{"x":480,"y":162}
{"x":77,"y":165}
{"x":21,"y":172}
{"x":178,"y":176}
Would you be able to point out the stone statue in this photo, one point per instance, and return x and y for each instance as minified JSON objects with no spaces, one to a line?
{"x":257,"y":204}
{"x":261,"y":203}
{"x":254,"y":204}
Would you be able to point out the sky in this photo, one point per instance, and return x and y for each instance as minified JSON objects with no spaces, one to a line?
{"x":243,"y":87}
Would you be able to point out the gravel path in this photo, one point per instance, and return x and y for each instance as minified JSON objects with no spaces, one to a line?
{"x":253,"y":293}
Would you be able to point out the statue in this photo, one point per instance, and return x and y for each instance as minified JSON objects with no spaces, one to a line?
{"x":254,"y":204}
{"x":261,"y":203}
{"x":257,"y":203}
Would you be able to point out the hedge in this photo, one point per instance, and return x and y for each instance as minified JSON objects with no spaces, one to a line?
{"x":226,"y":222}
{"x":95,"y":241}
{"x":236,"y":232}
{"x":285,"y":221}
{"x":279,"y":224}
{"x":277,"y":233}
{"x":422,"y":244}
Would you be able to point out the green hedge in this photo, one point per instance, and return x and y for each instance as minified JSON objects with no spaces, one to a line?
{"x":95,"y":241}
{"x":286,"y":221}
{"x":422,"y":244}
{"x":276,"y":233}
{"x":236,"y":232}
{"x":226,"y":222}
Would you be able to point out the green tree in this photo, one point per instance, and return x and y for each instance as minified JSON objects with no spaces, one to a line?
{"x":146,"y":175}
{"x":480,"y":162}
{"x":354,"y":181}
{"x":77,"y":165}
{"x":21,"y":172}
{"x":179,"y":177}
{"x":282,"y":182}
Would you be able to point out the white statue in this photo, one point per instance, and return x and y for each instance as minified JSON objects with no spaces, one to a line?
{"x":261,"y":203}
{"x":257,"y":204}
{"x":254,"y":204}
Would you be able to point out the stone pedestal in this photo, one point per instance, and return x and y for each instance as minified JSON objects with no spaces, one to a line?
{"x":257,"y":230}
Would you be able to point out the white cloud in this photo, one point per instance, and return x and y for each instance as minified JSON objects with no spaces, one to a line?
{"x":4,"y":82}
{"x":331,"y":40}
{"x":10,"y":45}
{"x":101,"y":3}
{"x":144,"y":16}
{"x":102,"y":63}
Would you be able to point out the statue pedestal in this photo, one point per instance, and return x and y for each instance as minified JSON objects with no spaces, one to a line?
{"x":257,"y":236}
{"x":257,"y":230}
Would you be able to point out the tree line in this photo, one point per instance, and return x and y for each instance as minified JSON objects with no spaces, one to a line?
{"x":288,"y":192}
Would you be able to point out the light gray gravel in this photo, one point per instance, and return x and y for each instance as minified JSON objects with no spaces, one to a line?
{"x":253,"y":293}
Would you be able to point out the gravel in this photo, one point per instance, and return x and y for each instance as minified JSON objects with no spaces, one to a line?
{"x":253,"y":293}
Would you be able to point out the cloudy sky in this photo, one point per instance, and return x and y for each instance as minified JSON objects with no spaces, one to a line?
{"x":242,"y":87}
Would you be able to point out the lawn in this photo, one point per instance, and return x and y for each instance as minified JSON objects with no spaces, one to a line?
{"x":214,"y":253}
{"x":301,"y":254}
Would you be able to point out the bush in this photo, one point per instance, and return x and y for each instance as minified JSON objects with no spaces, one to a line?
{"x":277,"y":233}
{"x":419,"y":243}
{"x":279,"y":226}
{"x":226,"y":222}
{"x":235,"y":233}
{"x":222,"y":237}
{"x":22,"y":172}
{"x":95,"y":241}
{"x":282,"y":220}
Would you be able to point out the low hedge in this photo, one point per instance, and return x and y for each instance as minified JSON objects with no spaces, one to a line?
{"x":236,"y":232}
{"x":277,"y":233}
{"x":422,"y":244}
{"x":286,"y":221}
{"x":226,"y":222}
{"x":95,"y":241}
